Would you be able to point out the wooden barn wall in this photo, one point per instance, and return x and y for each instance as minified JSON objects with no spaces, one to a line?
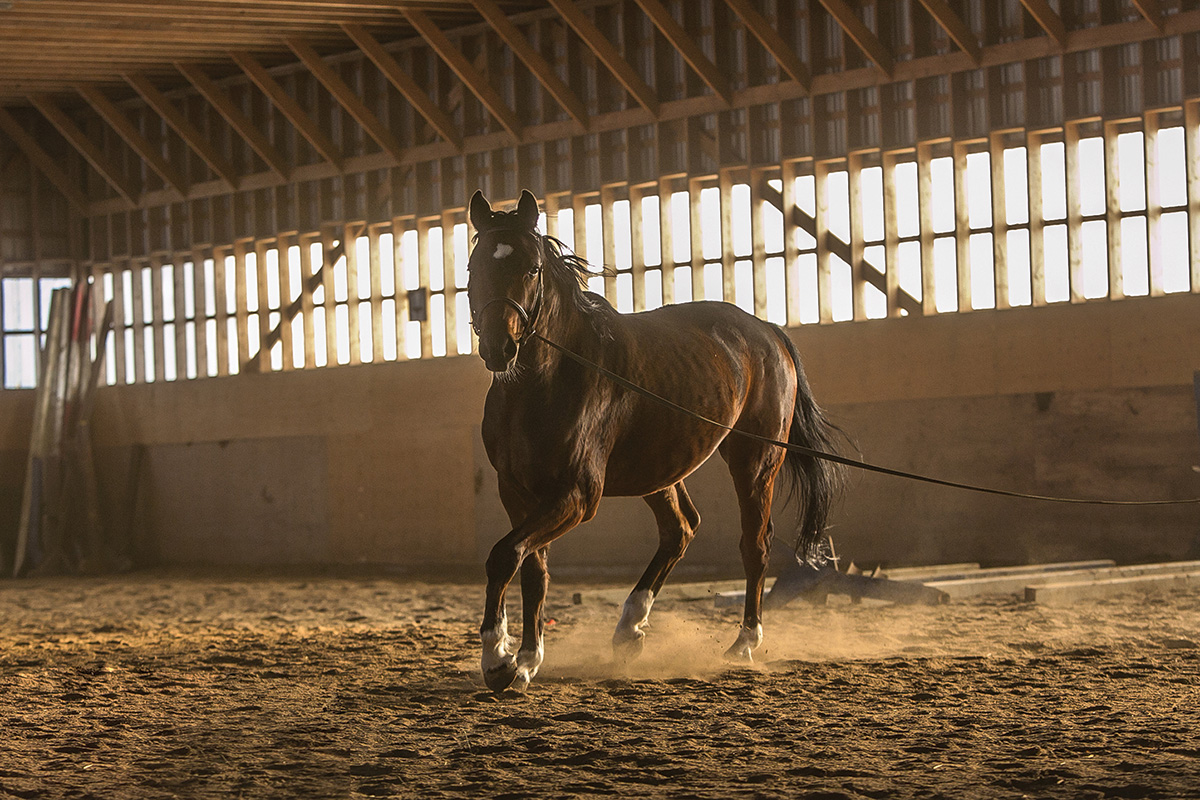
{"x":992,"y":266}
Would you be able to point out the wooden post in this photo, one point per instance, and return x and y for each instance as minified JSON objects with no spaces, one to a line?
{"x":925,"y":208}
{"x":695,"y":186}
{"x":962,"y":228}
{"x":666,"y":238}
{"x":858,"y":283}
{"x":1191,"y":149}
{"x":1075,"y":275}
{"x":824,"y":268}
{"x":999,"y":219}
{"x":791,"y":249}
{"x":891,"y":233}
{"x":1037,"y":223}
{"x":1154,"y":242}
{"x":1112,"y":194}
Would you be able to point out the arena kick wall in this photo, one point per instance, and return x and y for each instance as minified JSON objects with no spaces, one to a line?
{"x":382,"y":465}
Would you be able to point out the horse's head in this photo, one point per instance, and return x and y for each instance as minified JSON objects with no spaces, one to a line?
{"x":505,"y":278}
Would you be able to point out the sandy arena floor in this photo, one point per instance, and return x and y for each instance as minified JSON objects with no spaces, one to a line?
{"x":167,"y":685}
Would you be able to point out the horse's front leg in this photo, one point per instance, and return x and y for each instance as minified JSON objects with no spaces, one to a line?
{"x":542,"y":526}
{"x":535,"y":580}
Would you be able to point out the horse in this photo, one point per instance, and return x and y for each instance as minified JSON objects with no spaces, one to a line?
{"x":561,"y":435}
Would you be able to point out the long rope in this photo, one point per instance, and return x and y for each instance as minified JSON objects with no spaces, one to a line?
{"x":850,"y":462}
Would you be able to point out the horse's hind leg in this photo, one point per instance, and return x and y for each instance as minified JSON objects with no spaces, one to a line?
{"x":754,"y":468}
{"x":677,"y":522}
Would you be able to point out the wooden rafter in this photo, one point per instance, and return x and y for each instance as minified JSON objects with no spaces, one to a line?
{"x":765,"y":32}
{"x":88,"y":149}
{"x":42,"y":160}
{"x":687,"y":47}
{"x":242,"y":124}
{"x":186,"y":130}
{"x":862,"y":36}
{"x":473,"y":79}
{"x":347,"y":98}
{"x":288,"y":106}
{"x":153,"y":157}
{"x":533,"y":60}
{"x":1151,"y":10}
{"x":573,"y":15}
{"x":1048,"y":19}
{"x":953,"y":24}
{"x":405,"y":84}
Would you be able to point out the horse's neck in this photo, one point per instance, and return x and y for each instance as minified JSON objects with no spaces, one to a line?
{"x":567,"y":326}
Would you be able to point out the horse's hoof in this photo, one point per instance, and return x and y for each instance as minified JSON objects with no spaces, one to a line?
{"x":502,"y":676}
{"x":739,"y":655}
{"x":626,"y":650}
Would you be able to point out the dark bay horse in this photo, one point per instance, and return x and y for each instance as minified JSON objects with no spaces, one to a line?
{"x":561,"y":436}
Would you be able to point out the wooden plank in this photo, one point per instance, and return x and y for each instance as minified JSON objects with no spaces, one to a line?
{"x":179,"y":294}
{"x":156,"y":323}
{"x":91,"y":153}
{"x":305,"y":125}
{"x":1060,"y":593}
{"x":637,"y":245}
{"x":399,"y":225}
{"x":116,"y":118}
{"x":762,"y":29}
{"x":574,"y":16}
{"x":349,"y":237}
{"x":695,"y":186}
{"x":860,"y":34}
{"x":609,"y":242}
{"x":954,"y":26}
{"x":474,"y":80}
{"x":186,"y":130}
{"x":1151,"y":10}
{"x":423,"y":272}
{"x":287,"y":342}
{"x":687,"y":47}
{"x":307,"y":287}
{"x":449,"y":218}
{"x":405,"y":84}
{"x":139,"y":372}
{"x":221,"y":281}
{"x":375,"y":265}
{"x":242,"y":315}
{"x":199,"y":292}
{"x":42,"y":160}
{"x":243,"y":125}
{"x":758,"y":256}
{"x":532,"y":59}
{"x":262,"y":362}
{"x":1048,"y":19}
{"x":331,"y":256}
{"x":347,"y":98}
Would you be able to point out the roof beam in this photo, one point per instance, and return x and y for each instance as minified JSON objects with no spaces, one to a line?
{"x":573,"y":15}
{"x":953,"y":24}
{"x":42,"y":160}
{"x":466,"y":72}
{"x":288,"y":106}
{"x":91,"y":153}
{"x":109,"y":112}
{"x":765,"y":32}
{"x":533,"y":60}
{"x":347,"y":98}
{"x":186,"y":130}
{"x":405,"y":84}
{"x":1152,"y":11}
{"x":225,"y":106}
{"x":682,"y":41}
{"x":857,"y":30}
{"x":1050,"y":22}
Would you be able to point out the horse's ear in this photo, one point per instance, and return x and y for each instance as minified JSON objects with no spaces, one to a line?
{"x":481,"y":210}
{"x":527,"y":210}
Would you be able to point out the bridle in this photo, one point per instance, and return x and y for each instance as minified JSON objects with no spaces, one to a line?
{"x":528,"y":318}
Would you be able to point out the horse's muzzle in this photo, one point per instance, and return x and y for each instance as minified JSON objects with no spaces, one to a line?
{"x":498,"y":355}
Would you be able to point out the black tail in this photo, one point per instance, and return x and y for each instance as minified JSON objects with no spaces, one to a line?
{"x":815,"y":482}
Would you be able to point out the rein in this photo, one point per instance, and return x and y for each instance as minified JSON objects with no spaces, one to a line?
{"x":808,"y":451}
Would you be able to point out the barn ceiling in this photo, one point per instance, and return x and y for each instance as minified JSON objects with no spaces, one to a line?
{"x":115,"y":78}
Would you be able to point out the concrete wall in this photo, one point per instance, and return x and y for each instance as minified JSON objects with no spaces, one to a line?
{"x":383,"y":464}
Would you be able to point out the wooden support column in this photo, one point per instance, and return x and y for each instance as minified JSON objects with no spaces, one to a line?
{"x":925,"y":208}
{"x":1075,"y":274}
{"x":137,"y":302}
{"x":242,"y":315}
{"x":759,"y":178}
{"x":824,"y":267}
{"x":695,"y":186}
{"x":728,"y":259}
{"x":306,"y":301}
{"x":891,"y":235}
{"x":666,"y":238}
{"x":858,"y":266}
{"x":330,"y":234}
{"x":1191,"y":144}
{"x":349,"y":235}
{"x":1112,"y":195}
{"x":637,"y":244}
{"x":262,"y":282}
{"x":962,"y":229}
{"x":179,"y":290}
{"x":375,"y":265}
{"x":423,"y":273}
{"x":1037,"y":225}
{"x":399,"y":226}
{"x":791,"y":249}
{"x":449,"y":218}
{"x":287,"y":343}
{"x":221,"y":293}
{"x":1156,"y":258}
{"x":608,"y":197}
{"x":122,"y":315}
{"x":999,"y":219}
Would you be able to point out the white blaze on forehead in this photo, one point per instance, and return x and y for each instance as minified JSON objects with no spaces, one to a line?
{"x":502,"y":251}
